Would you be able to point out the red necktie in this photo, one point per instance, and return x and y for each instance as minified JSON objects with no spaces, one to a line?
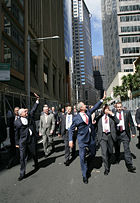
{"x":120,"y":118}
{"x":106,"y":120}
{"x":86,"y":118}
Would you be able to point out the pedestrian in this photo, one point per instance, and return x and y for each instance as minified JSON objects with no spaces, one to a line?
{"x":3,"y":132}
{"x":124,"y":136}
{"x":106,"y":132}
{"x":25,"y":137}
{"x":46,"y":129}
{"x":65,"y":123}
{"x":14,"y":152}
{"x":137,"y":118}
{"x":85,"y":134}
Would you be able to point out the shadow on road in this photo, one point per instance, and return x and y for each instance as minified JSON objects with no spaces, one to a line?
{"x":95,"y":163}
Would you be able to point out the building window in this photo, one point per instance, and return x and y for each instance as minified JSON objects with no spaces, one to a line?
{"x":130,"y":18}
{"x":130,"y":29}
{"x":130,"y":8}
{"x":128,"y":61}
{"x":130,"y":39}
{"x":131,"y":50}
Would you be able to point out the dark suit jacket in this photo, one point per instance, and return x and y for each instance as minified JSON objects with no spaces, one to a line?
{"x":129,"y":124}
{"x":63,"y":123}
{"x":113,"y":121}
{"x":137,"y":117}
{"x":84,"y":136}
{"x":22,"y":131}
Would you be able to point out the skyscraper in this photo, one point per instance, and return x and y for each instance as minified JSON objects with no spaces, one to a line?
{"x":128,"y":13}
{"x":121,"y":35}
{"x":99,"y":73}
{"x":82,"y":53}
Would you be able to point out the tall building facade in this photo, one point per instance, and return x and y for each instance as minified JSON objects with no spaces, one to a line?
{"x":68,"y":48}
{"x":128,"y":13}
{"x":110,"y":40}
{"x":121,"y":35}
{"x":99,"y":73}
{"x":35,"y":66}
{"x":83,"y":84}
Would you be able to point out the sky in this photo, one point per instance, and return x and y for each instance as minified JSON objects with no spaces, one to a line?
{"x":94,"y":7}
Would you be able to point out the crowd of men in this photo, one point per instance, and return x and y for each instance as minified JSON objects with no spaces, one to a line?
{"x":90,"y":127}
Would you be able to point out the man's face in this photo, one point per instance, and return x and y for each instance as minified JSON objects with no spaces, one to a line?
{"x":24,"y":113}
{"x":63,"y":110}
{"x":83,"y":107}
{"x":119,"y":107}
{"x":69,"y":109}
{"x":46,"y":110}
{"x":16,"y":111}
{"x":53,"y":109}
{"x":106,"y":110}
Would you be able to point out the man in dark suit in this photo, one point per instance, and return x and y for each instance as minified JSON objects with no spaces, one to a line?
{"x":14,"y":152}
{"x":65,"y":123}
{"x":106,"y":131}
{"x":85,"y":135}
{"x":25,"y":137}
{"x":137,"y":118}
{"x":123,"y":135}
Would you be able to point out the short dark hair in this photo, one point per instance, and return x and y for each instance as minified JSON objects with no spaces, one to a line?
{"x":119,"y":102}
{"x":105,"y":107}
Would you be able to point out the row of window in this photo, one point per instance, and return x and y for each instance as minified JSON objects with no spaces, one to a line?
{"x":14,"y":58}
{"x":130,"y":29}
{"x":126,"y":0}
{"x":128,"y":61}
{"x":131,"y":50}
{"x":16,"y":11}
{"x":13,"y":32}
{"x":130,"y":8}
{"x":130,"y":39}
{"x":130,"y":18}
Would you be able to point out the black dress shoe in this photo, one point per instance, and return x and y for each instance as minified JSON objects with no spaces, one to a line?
{"x":67,"y":163}
{"x":131,"y":168}
{"x":85,"y":180}
{"x":21,"y":178}
{"x":106,"y":172}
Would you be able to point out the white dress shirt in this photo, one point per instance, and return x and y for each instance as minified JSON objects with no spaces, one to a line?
{"x":83,"y":116}
{"x":105,"y":124}
{"x":121,"y":123}
{"x":68,"y":121}
{"x":25,"y":122}
{"x":46,"y":117}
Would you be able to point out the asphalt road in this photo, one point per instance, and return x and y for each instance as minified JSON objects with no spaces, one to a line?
{"x":56,"y":183}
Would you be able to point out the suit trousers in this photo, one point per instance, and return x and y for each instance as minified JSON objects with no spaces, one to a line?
{"x":48,"y":143}
{"x":106,"y":149}
{"x":67,"y":148}
{"x":26,"y":147}
{"x":83,"y":159}
{"x":122,"y":137}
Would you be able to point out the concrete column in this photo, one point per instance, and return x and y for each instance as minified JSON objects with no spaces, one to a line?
{"x":57,"y":85}
{"x":40,"y":56}
{"x":26,"y":47}
{"x":0,"y":31}
{"x":40,"y":69}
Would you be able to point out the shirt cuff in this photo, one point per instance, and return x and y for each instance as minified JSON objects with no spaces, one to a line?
{"x":101,"y":100}
{"x":37,"y":101}
{"x":113,"y":114}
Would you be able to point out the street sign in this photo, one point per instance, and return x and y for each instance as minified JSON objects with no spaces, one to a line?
{"x":4,"y":72}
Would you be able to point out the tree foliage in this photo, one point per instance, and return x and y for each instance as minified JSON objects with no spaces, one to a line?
{"x":129,"y":83}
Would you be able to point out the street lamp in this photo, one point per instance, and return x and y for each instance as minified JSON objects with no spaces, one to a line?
{"x":28,"y":45}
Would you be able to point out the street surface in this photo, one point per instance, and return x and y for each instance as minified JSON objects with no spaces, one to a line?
{"x":56,"y":183}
